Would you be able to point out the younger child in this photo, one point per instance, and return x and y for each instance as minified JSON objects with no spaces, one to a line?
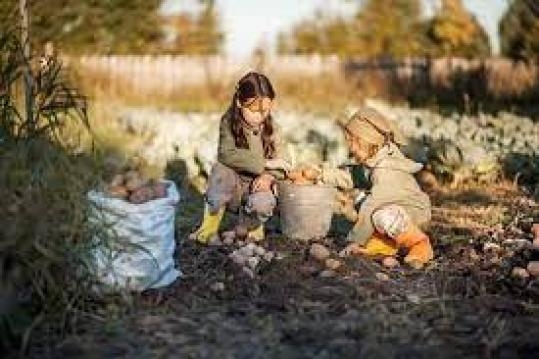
{"x":394,"y":211}
{"x":249,"y":160}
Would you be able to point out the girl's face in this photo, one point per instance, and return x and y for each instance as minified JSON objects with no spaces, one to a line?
{"x":358,"y":149}
{"x":255,"y":110}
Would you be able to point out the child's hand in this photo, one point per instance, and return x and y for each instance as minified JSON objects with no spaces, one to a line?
{"x":278,"y":164}
{"x":263,"y":183}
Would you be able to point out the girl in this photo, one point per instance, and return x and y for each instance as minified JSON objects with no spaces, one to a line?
{"x":249,"y":160}
{"x":393,"y":212}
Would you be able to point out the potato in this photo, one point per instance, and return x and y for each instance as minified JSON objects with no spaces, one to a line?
{"x":390,"y":262}
{"x":302,"y":181}
{"x":117,"y":180}
{"x":319,"y":252}
{"x":159,"y":190}
{"x":141,"y":195}
{"x":295,"y":175}
{"x":117,"y":192}
{"x":427,"y":180}
{"x":333,"y":264}
{"x":311,"y":173}
{"x":133,"y":180}
{"x":241,"y":232}
{"x":533,"y":268}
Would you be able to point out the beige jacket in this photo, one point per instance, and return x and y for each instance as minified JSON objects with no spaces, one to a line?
{"x":392,"y":182}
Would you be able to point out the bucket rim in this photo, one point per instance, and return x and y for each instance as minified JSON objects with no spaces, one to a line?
{"x":288,"y":184}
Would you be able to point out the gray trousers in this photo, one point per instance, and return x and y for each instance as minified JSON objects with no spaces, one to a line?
{"x":228,"y":189}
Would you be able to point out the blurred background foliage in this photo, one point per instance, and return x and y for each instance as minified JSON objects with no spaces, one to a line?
{"x":117,"y":26}
{"x":519,"y":30}
{"x":395,"y":28}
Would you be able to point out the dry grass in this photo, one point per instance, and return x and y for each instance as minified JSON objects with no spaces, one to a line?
{"x":465,"y":85}
{"x":45,"y":236}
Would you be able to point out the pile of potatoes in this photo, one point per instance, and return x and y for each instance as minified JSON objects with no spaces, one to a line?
{"x":249,"y":257}
{"x":320,"y":175}
{"x":133,"y":187}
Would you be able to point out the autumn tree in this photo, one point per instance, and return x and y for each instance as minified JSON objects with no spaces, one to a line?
{"x":389,"y":27}
{"x":519,"y":30}
{"x":380,"y":27}
{"x":323,"y":35}
{"x":453,"y":31}
{"x":91,"y":26}
{"x":198,"y":33}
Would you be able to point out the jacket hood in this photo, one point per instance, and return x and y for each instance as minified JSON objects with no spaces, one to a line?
{"x":390,"y":157}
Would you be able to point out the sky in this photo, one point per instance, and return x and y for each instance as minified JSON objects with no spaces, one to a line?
{"x":248,"y":23}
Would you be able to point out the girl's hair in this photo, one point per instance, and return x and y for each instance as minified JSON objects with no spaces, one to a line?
{"x":249,"y":86}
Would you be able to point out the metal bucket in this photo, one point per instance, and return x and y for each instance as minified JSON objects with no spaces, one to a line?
{"x":305,"y":210}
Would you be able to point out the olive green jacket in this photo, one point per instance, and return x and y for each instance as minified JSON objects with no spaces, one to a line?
{"x":392,"y":182}
{"x":249,"y":161}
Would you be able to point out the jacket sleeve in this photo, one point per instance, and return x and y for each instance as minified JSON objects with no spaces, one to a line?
{"x":239,"y":159}
{"x":363,"y":228}
{"x":280,"y":152}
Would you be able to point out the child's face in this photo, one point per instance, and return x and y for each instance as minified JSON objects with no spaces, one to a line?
{"x":256,"y":110}
{"x":357,"y":148}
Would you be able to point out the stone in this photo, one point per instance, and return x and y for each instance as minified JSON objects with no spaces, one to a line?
{"x":237,"y":258}
{"x":246,"y":251}
{"x":390,"y":262}
{"x":268,"y":256}
{"x":328,"y":273}
{"x":252,"y":262}
{"x":491,"y":247}
{"x":259,"y":251}
{"x":229,"y":234}
{"x":333,"y":264}
{"x":217,"y":287}
{"x":215,"y":241}
{"x":319,"y":252}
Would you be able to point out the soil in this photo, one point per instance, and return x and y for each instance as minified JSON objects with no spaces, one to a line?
{"x":464,"y":304}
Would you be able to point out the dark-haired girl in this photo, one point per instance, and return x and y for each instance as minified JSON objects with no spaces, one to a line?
{"x":249,"y":160}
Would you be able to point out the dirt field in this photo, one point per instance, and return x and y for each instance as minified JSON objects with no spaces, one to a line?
{"x":464,"y":304}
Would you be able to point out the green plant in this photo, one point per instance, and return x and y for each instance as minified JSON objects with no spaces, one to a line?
{"x":44,"y":232}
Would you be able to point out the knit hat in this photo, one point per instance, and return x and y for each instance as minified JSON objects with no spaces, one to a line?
{"x":371,"y":126}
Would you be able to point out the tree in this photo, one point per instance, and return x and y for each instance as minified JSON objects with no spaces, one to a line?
{"x":453,"y":31}
{"x":195,"y":34}
{"x":389,"y":27}
{"x":380,"y":27}
{"x":519,"y":30}
{"x":90,"y":26}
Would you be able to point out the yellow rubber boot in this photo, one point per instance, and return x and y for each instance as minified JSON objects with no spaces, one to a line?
{"x":210,"y":225}
{"x":257,"y":234}
{"x":378,"y":245}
